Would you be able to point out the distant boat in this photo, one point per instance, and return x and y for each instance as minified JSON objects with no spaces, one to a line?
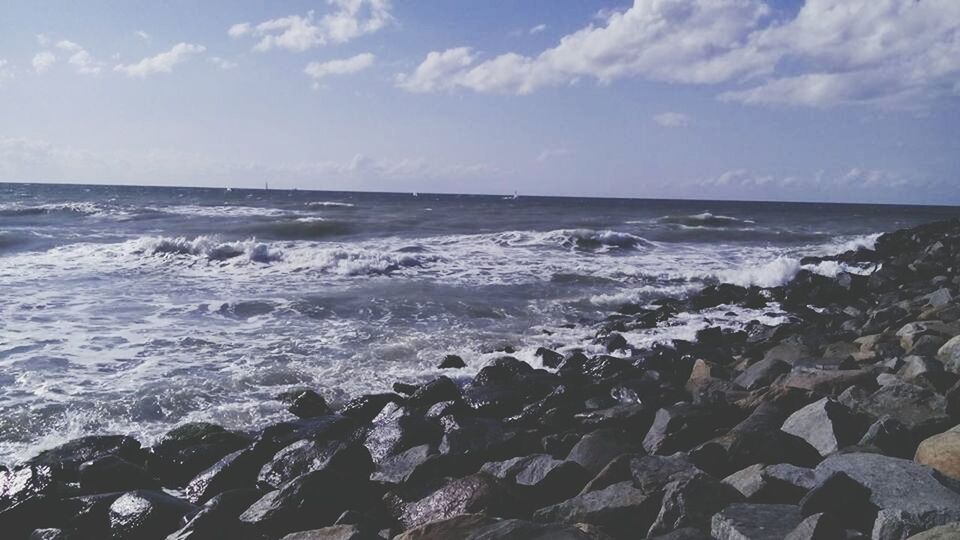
{"x":415,"y":194}
{"x":229,"y":189}
{"x":515,"y":196}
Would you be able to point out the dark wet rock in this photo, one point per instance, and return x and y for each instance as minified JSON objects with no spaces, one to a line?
{"x":145,"y":515}
{"x":189,"y":449}
{"x":18,"y":485}
{"x":399,"y":468}
{"x":745,"y":521}
{"x":762,"y":373}
{"x":691,"y":501}
{"x":235,"y":471}
{"x":613,"y":342}
{"x":365,"y":408}
{"x":306,"y":404}
{"x":687,"y":533}
{"x":50,"y":534}
{"x":777,"y":484}
{"x":891,"y":437}
{"x":310,"y":501}
{"x":550,"y":358}
{"x":452,"y":361}
{"x":910,"y":497}
{"x":920,"y":409}
{"x":503,"y":370}
{"x":111,"y":473}
{"x":435,"y":391}
{"x":404,"y":388}
{"x":218,"y":518}
{"x":827,"y":383}
{"x":64,"y":461}
{"x":348,"y":458}
{"x":397,"y":429}
{"x":481,"y":527}
{"x":551,"y":480}
{"x":619,"y":509}
{"x":682,"y":426}
{"x":827,"y":425}
{"x":822,"y":526}
{"x":839,"y":491}
{"x":88,"y":515}
{"x":496,"y":401}
{"x":334,"y":532}
{"x":483,"y":437}
{"x":477,"y":493}
{"x":595,"y":450}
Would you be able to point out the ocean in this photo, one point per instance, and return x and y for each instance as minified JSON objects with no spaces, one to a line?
{"x":134,"y":309}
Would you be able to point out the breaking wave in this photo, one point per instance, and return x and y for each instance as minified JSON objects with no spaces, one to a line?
{"x":705,"y":219}
{"x":324,"y":204}
{"x":209,"y":247}
{"x":68,"y":208}
{"x":305,"y":228}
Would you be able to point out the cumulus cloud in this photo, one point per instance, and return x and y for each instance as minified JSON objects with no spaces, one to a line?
{"x":438,"y":72}
{"x":537,"y":29}
{"x":889,"y":53}
{"x":347,"y":20}
{"x":161,"y":63}
{"x":83,"y":62}
{"x":855,"y":184}
{"x":43,"y":60}
{"x":672,"y":119}
{"x":346,"y":66}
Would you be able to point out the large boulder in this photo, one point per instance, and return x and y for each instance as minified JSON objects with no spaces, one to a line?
{"x":773,"y":484}
{"x":762,"y":373}
{"x":827,"y":425}
{"x":347,"y":458}
{"x":596,"y":449}
{"x":481,"y":527}
{"x":64,"y":461}
{"x":397,"y":429}
{"x":745,"y":521}
{"x":551,"y":480}
{"x":477,"y":493}
{"x":691,"y":501}
{"x":146,"y":515}
{"x":922,"y":410}
{"x":334,"y":532}
{"x":942,"y":453}
{"x":218,"y":518}
{"x":950,"y":531}
{"x":949,"y":354}
{"x":189,"y":449}
{"x":910,"y":497}
{"x":683,"y":426}
{"x":235,"y":471}
{"x":111,"y":473}
{"x":620,"y":509}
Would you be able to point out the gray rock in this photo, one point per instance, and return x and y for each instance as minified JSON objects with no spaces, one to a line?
{"x":399,"y":468}
{"x":938,"y":298}
{"x":111,"y":473}
{"x":480,"y":527}
{"x":920,"y":409}
{"x":891,"y":437}
{"x":820,"y":526}
{"x":682,"y":426}
{"x":691,"y":501}
{"x":949,"y":354}
{"x":395,"y":429}
{"x":559,"y":477}
{"x":910,"y":497}
{"x":744,"y":521}
{"x":762,"y":373}
{"x":334,"y":532}
{"x":305,"y":456}
{"x":951,"y":531}
{"x":146,"y":515}
{"x":827,"y":425}
{"x":772,"y":484}
{"x":620,"y":509}
{"x":477,"y":493}
{"x":595,"y":450}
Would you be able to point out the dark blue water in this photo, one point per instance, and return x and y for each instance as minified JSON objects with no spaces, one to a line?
{"x":132,"y":309}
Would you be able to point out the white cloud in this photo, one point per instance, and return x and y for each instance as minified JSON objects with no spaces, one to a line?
{"x":537,"y":29}
{"x":80,"y":59}
{"x":161,"y":63}
{"x":887,"y":53}
{"x":43,"y":40}
{"x":348,"y":20}
{"x":239,"y":30}
{"x":6,"y":71}
{"x":68,"y":46}
{"x":346,"y":66}
{"x":672,"y":119}
{"x":437,"y":71}
{"x":856,"y":183}
{"x":142,"y":35}
{"x":553,"y":153}
{"x":43,"y":60}
{"x":222,"y":63}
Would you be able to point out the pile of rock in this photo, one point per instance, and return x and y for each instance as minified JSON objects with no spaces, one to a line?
{"x":837,"y":424}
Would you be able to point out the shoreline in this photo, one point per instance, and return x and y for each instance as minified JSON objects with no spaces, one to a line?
{"x":758,"y":433}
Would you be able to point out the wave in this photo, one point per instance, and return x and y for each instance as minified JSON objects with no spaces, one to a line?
{"x":209,"y":247}
{"x":9,"y":239}
{"x":324,"y":204}
{"x":353,"y":262}
{"x":221,"y":210}
{"x":68,"y":208}
{"x":307,"y":228}
{"x":844,"y":244}
{"x":589,"y":239}
{"x":772,"y":274}
{"x":705,"y":219}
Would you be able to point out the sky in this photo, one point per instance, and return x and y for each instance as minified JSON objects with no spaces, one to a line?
{"x":805,"y":100}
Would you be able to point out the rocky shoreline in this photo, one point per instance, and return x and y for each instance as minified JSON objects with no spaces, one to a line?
{"x":839,"y":424}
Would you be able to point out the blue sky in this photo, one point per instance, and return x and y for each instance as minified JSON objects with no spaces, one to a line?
{"x":836,"y":100}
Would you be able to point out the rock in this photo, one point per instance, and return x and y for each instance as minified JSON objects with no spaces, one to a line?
{"x":613,"y":342}
{"x":477,"y":493}
{"x":827,"y":382}
{"x":595,"y":450}
{"x":691,"y":501}
{"x":349,"y":459}
{"x":64,"y":461}
{"x":827,"y":425}
{"x":942,"y":453}
{"x":552,"y":480}
{"x":938,"y":298}
{"x":365,"y":408}
{"x":452,"y":361}
{"x":911,"y":333}
{"x":745,"y":521}
{"x":787,"y":352}
{"x":910,"y":496}
{"x":950,"y":531}
{"x":50,"y":534}
{"x":503,"y":370}
{"x":682,"y":426}
{"x":307,"y":404}
{"x":550,"y":359}
{"x":773,"y":484}
{"x":821,"y":526}
{"x":619,"y":509}
{"x":481,"y":527}
{"x":187,"y":450}
{"x":927,"y":344}
{"x":334,"y":532}
{"x":24,"y":483}
{"x":687,"y":533}
{"x":398,"y":469}
{"x":218,"y":518}
{"x":949,"y":354}
{"x":891,"y":437}
{"x":762,"y":373}
{"x":111,"y":473}
{"x":920,"y":409}
{"x":435,"y":391}
{"x":840,"y":491}
{"x":310,"y":501}
{"x":235,"y":471}
{"x":146,"y":515}
{"x":397,"y":429}
{"x":478,"y":437}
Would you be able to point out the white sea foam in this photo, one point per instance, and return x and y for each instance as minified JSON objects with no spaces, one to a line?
{"x":222,"y":211}
{"x":322,"y":204}
{"x":771,"y":274}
